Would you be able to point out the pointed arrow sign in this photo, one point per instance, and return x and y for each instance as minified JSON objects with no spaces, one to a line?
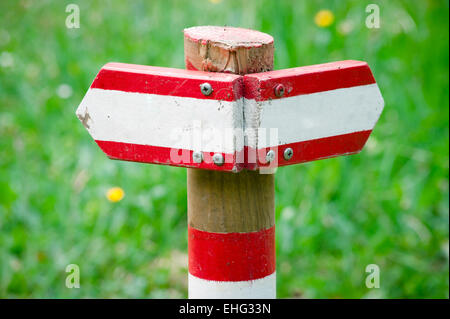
{"x":186,"y":118}
{"x":319,"y":111}
{"x":160,"y":115}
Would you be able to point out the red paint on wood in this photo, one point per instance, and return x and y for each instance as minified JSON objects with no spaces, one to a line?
{"x":164,"y":156}
{"x":304,"y":151}
{"x":167,"y":81}
{"x":229,"y":87}
{"x":307,"y":79}
{"x":307,"y":151}
{"x":231,"y":256}
{"x":189,"y":65}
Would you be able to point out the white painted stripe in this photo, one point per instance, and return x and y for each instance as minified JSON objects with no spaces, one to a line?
{"x":161,"y":120}
{"x":264,"y":288}
{"x":213,"y":126}
{"x":312,"y":116}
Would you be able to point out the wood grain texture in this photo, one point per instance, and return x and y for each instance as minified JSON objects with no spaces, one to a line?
{"x":230,"y":202}
{"x":218,"y":201}
{"x":227,"y":49}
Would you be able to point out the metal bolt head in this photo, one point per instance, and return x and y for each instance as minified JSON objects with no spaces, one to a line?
{"x":206,"y":88}
{"x":279,"y":90}
{"x":270,"y":156}
{"x":288,"y":153}
{"x":218,"y":159}
{"x":197,"y":157}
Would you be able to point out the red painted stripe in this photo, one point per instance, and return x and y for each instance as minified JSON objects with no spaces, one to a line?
{"x":307,"y":79}
{"x":167,"y":81}
{"x":321,"y":148}
{"x":231,"y":256}
{"x":162,"y":155}
{"x":305,"y":151}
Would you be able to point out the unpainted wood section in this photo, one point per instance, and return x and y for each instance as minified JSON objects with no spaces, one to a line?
{"x":240,"y":57}
{"x":225,"y":202}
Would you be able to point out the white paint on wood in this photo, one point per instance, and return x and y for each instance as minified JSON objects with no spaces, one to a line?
{"x":161,"y":120}
{"x":312,"y":116}
{"x":216,"y":126}
{"x":264,"y":288}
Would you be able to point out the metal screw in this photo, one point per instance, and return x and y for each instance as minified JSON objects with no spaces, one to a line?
{"x":270,"y":156}
{"x":206,"y":88}
{"x":197,"y":157}
{"x":279,"y":90}
{"x":288,"y":153}
{"x":218,"y":159}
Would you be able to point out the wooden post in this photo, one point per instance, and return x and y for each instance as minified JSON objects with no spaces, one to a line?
{"x":231,"y":224}
{"x":150,"y":114}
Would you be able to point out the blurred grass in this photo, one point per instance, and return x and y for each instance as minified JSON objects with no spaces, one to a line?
{"x":388,"y":205}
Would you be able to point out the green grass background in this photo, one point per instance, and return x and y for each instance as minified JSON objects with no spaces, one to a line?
{"x":388,"y":205}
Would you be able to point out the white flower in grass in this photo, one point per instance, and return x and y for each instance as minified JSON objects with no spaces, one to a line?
{"x":6,"y":59}
{"x":64,"y":91}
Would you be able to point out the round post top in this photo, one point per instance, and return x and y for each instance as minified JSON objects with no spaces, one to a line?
{"x":228,"y":49}
{"x":228,"y":37}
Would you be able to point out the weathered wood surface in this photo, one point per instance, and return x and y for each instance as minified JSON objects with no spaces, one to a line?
{"x":152,"y":114}
{"x":326,"y":110}
{"x":227,"y":49}
{"x":160,"y":116}
{"x":230,"y":202}
{"x":230,"y":215}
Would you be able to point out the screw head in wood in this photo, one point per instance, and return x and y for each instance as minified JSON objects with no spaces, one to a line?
{"x":197,"y":157}
{"x":218,"y":159}
{"x":270,"y":156}
{"x":288,"y":153}
{"x":206,"y":88}
{"x":279,"y":90}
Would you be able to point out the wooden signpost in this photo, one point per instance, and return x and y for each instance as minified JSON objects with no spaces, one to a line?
{"x":231,"y":121}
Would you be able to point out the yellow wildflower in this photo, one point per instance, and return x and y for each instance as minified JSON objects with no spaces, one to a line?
{"x":215,"y":1}
{"x":324,"y":18}
{"x":115,"y":194}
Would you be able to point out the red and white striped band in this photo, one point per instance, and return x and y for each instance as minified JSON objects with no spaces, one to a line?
{"x":232,"y":265}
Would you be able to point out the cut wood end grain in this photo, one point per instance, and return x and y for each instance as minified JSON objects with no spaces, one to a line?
{"x":228,"y":37}
{"x":228,"y":49}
